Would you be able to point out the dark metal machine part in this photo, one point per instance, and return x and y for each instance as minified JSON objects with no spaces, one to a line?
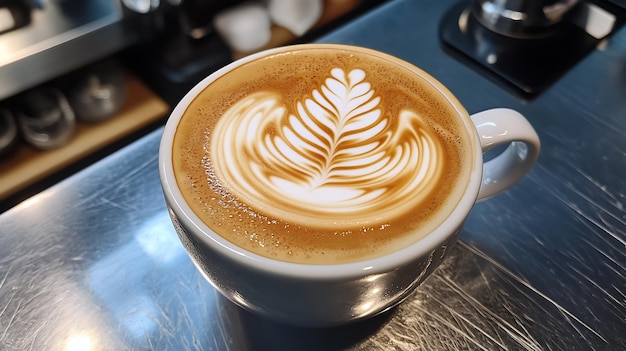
{"x":521,"y":18}
{"x":94,"y":260}
{"x":526,"y":66}
{"x":60,"y":36}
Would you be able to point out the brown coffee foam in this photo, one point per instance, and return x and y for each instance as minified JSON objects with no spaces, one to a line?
{"x":294,"y":77}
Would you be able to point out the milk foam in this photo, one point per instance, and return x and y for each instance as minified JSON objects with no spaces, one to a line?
{"x":336,"y":159}
{"x":321,"y":155}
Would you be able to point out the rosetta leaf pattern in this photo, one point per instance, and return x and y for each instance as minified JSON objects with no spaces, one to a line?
{"x":344,"y":115}
{"x":336,"y":154}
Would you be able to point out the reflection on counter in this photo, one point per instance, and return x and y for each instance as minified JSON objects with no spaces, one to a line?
{"x":131,"y":307}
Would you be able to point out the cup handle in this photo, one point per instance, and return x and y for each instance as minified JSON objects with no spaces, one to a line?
{"x":501,"y":126}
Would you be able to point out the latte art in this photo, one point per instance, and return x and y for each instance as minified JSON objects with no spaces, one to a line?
{"x":332,"y":159}
{"x":321,"y":154}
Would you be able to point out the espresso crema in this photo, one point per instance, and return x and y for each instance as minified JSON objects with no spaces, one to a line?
{"x":319,"y":155}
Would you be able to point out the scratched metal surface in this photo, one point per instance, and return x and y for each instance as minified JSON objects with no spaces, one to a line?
{"x":94,"y":264}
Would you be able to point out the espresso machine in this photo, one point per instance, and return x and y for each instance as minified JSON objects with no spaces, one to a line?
{"x":526,"y":45}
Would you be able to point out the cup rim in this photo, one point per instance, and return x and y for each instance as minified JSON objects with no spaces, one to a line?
{"x":429,"y":243}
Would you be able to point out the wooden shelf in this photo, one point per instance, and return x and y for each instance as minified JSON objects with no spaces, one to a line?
{"x":28,"y":165}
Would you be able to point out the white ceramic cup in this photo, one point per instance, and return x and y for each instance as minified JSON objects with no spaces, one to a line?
{"x":333,"y":294}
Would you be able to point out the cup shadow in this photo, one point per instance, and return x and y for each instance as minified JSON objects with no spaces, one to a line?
{"x":248,"y":331}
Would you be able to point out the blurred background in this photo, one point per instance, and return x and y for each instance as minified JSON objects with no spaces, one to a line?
{"x":81,"y":78}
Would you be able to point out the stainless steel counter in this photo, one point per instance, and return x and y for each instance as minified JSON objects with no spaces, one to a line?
{"x":93,"y":263}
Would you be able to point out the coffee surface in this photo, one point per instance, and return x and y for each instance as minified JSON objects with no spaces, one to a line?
{"x":321,"y":155}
